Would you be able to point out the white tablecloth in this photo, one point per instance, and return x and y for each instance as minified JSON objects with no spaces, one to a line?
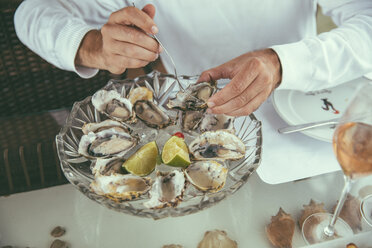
{"x":26,"y":219}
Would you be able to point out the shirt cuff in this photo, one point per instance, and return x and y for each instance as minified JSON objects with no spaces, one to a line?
{"x":295,"y":59}
{"x":67,"y":45}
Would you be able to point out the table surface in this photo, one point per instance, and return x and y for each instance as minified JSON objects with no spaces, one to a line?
{"x":26,"y":219}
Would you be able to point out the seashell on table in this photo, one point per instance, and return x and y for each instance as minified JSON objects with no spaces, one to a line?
{"x":77,"y":168}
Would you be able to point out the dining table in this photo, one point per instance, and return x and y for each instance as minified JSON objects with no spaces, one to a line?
{"x":26,"y":219}
{"x":294,"y":170}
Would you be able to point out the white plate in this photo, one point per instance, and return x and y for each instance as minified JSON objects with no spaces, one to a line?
{"x":296,"y":107}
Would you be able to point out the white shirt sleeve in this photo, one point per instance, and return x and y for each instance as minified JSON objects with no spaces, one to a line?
{"x":54,"y":28}
{"x":333,"y":57}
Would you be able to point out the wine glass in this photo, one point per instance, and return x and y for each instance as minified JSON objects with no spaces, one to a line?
{"x":366,"y":209}
{"x":352,"y":145}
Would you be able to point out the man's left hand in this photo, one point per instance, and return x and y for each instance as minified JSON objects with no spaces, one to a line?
{"x":253,"y":75}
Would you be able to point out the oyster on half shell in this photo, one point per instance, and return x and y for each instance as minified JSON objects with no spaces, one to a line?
{"x":120,"y":187}
{"x":218,"y":145}
{"x":106,"y":143}
{"x":106,"y":124}
{"x":140,"y":93}
{"x":113,"y":105}
{"x":195,"y":97}
{"x":191,"y":119}
{"x":151,"y":114}
{"x":107,"y":166}
{"x":212,"y":122}
{"x":207,"y":176}
{"x":167,"y":190}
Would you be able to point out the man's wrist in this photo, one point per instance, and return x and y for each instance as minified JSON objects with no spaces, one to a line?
{"x":277,"y":67}
{"x":89,"y":53}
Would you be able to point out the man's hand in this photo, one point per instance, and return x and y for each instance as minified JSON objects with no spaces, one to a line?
{"x":253,"y":77}
{"x":122,"y":42}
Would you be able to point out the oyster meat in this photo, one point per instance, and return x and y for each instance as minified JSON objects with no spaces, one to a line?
{"x":191,"y":119}
{"x":151,"y":114}
{"x":120,"y":187}
{"x":217,"y":239}
{"x":113,"y":105}
{"x":213,"y":122}
{"x":106,"y":143}
{"x":107,"y":166}
{"x":281,"y":229}
{"x":207,"y":176}
{"x":218,"y":145}
{"x":140,"y":93}
{"x":167,"y":190}
{"x":106,"y":124}
{"x":195,"y":97}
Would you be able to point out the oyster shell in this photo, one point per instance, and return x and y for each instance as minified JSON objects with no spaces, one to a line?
{"x":212,"y":122}
{"x":120,"y":187}
{"x":106,"y":124}
{"x":195,"y":97}
{"x":140,"y":93}
{"x":217,"y":239}
{"x":113,"y":105}
{"x":191,"y":119}
{"x":310,"y":209}
{"x":172,"y":246}
{"x":207,"y":176}
{"x":151,"y":114}
{"x":107,"y":166}
{"x":106,"y":143}
{"x":350,"y":212}
{"x":281,"y":229}
{"x":167,"y":190}
{"x":219,"y":145}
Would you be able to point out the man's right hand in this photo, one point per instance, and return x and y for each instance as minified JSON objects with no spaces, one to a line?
{"x":123,"y":42}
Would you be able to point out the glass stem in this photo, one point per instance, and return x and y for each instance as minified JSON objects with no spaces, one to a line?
{"x":330,"y":229}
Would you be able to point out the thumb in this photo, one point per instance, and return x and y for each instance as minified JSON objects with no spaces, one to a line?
{"x":149,"y":9}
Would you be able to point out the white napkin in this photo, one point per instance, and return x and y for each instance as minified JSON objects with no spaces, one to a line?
{"x":289,"y":157}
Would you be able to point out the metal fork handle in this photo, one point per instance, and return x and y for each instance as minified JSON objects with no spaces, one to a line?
{"x":172,"y":61}
{"x":302,"y":127}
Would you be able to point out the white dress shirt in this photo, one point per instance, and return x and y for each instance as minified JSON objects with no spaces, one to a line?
{"x":200,"y":34}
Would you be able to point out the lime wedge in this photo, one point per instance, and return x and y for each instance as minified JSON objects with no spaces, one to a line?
{"x":143,"y":161}
{"x":175,"y":152}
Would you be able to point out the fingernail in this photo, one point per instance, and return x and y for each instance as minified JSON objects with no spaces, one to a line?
{"x":211,"y":104}
{"x":209,"y":111}
{"x":154,"y":29}
{"x":160,"y":49}
{"x":157,"y":56}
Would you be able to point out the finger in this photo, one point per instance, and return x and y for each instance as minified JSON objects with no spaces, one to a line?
{"x":250,"y":107}
{"x":136,"y":17}
{"x":134,"y":63}
{"x":118,"y":64}
{"x":149,"y":9}
{"x":131,"y":35}
{"x":222,"y":71}
{"x":233,"y":89}
{"x":132,"y":51}
{"x":246,"y":96}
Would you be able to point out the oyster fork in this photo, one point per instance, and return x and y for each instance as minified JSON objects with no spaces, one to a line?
{"x":169,"y":56}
